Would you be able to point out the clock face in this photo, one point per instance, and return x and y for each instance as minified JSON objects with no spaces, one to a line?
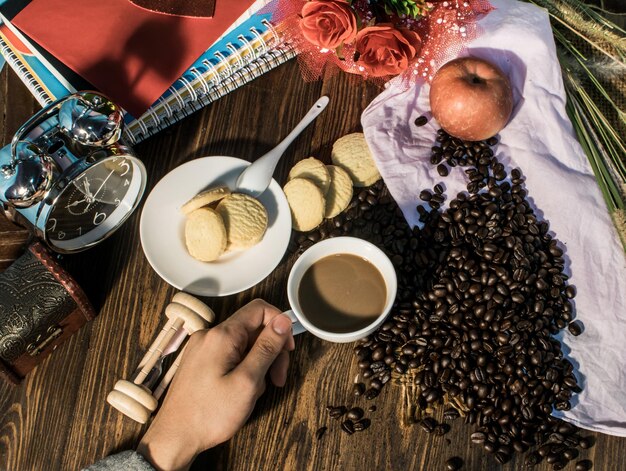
{"x":95,"y":203}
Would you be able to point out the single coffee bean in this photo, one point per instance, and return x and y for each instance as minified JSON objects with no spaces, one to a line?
{"x":421,"y":121}
{"x":502,"y":457}
{"x":575,"y":328}
{"x":454,"y":463}
{"x":320,"y":432}
{"x":585,"y":442}
{"x":451,"y":414}
{"x":372,"y":408}
{"x":425,"y":195}
{"x":584,"y":465}
{"x":492,"y":141}
{"x":478,"y":437}
{"x":371,"y":393}
{"x":442,"y":170}
{"x":355,"y":413}
{"x":358,"y":389}
{"x":428,"y":424}
{"x":348,"y":427}
{"x":570,"y":291}
{"x":532,"y":459}
{"x":441,"y":429}
{"x":438,"y":189}
{"x":362,"y":425}
{"x":337,"y":412}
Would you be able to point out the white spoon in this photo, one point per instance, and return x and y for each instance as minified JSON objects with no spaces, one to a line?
{"x":255,"y":179}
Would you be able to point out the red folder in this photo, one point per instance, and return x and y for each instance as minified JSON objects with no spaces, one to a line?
{"x":129,"y":53}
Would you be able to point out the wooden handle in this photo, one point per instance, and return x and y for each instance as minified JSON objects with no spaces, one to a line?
{"x":132,"y":400}
{"x":192,"y":320}
{"x":167,"y":378}
{"x":196,"y":305}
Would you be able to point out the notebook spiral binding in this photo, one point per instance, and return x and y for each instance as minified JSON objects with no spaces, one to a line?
{"x":40,"y":93}
{"x":248,"y":59}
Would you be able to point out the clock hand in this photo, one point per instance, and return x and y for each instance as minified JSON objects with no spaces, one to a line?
{"x":99,"y":189}
{"x":86,"y":187}
{"x":76,"y":203}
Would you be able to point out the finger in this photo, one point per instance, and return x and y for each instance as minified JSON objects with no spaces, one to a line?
{"x":254,"y":316}
{"x":271,"y":341}
{"x":278,"y":370}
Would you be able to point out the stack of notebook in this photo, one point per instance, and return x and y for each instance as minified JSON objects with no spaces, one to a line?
{"x":248,"y":48}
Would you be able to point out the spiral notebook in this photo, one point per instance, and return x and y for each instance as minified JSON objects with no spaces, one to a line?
{"x":250,"y":48}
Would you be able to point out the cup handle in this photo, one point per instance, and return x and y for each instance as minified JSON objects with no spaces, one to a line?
{"x":296,"y":326}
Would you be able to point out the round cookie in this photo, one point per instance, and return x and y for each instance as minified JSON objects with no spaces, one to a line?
{"x":339,"y":193}
{"x":205,"y":198}
{"x":314,"y":170}
{"x":245,"y":219}
{"x":307,"y":204}
{"x":205,"y":234}
{"x":351,"y":153}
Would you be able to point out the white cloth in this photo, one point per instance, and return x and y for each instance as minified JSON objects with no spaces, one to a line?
{"x":540,"y":141}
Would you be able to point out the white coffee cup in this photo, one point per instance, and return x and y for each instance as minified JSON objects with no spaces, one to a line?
{"x":339,"y":245}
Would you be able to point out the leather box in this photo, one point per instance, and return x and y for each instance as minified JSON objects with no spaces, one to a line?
{"x":40,"y":307}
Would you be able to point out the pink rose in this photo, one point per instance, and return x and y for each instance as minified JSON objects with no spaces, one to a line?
{"x":328,"y":23}
{"x":384,"y":50}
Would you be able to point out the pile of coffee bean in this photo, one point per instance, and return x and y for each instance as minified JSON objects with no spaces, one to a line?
{"x":481,"y":293}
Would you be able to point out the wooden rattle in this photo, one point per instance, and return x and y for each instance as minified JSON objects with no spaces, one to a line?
{"x":135,"y":399}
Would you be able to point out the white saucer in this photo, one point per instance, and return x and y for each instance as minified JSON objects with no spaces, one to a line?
{"x":162,"y":231}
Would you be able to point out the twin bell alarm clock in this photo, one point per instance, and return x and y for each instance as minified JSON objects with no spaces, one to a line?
{"x":68,"y":176}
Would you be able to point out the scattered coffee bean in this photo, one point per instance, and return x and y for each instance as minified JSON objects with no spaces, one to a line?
{"x":441,"y":429}
{"x":532,"y":459}
{"x":347,"y":426}
{"x":584,"y":465}
{"x":454,"y":463}
{"x":575,"y":328}
{"x":425,"y":195}
{"x":362,"y":425}
{"x":438,"y":189}
{"x":442,"y":170}
{"x":320,"y":432}
{"x":355,"y":413}
{"x":336,"y":412}
{"x":428,"y":424}
{"x":371,"y":408}
{"x":585,"y":442}
{"x":358,"y":389}
{"x":421,"y":121}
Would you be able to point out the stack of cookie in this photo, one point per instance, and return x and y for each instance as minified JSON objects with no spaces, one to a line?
{"x":219,"y":221}
{"x":316,"y":191}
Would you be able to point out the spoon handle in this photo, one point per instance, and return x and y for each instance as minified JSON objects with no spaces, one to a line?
{"x":274,"y":154}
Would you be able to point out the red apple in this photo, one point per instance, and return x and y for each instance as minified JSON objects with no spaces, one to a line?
{"x":471,"y":98}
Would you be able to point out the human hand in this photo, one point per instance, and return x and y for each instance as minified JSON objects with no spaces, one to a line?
{"x":220,"y":377}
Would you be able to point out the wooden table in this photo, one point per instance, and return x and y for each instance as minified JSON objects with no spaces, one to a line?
{"x":57,"y":419}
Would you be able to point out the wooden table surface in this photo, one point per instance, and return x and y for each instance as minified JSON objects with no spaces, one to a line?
{"x":57,"y":419}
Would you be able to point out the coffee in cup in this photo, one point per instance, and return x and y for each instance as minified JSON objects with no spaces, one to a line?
{"x":341,"y":289}
{"x":342,"y":293}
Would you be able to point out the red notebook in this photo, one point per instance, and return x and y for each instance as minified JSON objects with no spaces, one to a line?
{"x":129,"y":53}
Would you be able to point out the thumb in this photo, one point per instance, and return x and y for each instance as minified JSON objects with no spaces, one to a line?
{"x":268,"y":345}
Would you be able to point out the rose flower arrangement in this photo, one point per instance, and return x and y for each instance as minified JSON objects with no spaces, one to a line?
{"x":377,"y":39}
